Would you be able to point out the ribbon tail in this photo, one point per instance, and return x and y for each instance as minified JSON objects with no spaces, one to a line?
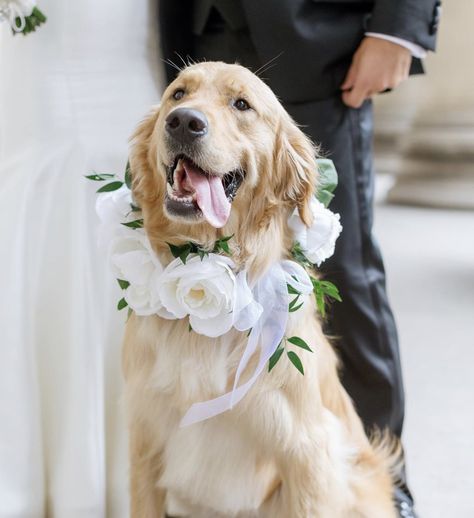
{"x":268,"y":333}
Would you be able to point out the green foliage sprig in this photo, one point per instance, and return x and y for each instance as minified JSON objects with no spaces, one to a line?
{"x":32,"y":22}
{"x":115,"y":185}
{"x":183,"y":251}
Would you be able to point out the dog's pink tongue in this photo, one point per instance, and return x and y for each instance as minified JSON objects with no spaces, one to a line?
{"x":210,"y":196}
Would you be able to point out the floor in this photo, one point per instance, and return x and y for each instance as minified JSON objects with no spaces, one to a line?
{"x":429,"y":257}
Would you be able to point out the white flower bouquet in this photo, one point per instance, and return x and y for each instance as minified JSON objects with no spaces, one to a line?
{"x":22,"y":15}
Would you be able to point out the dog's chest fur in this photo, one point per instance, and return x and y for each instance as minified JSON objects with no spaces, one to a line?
{"x":213,"y":464}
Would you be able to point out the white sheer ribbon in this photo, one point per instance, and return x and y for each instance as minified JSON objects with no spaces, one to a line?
{"x":271,"y":292}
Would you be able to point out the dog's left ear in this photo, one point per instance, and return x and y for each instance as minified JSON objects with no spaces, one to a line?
{"x":296,"y":168}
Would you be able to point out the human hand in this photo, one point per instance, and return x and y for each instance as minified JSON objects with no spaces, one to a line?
{"x":377,"y":65}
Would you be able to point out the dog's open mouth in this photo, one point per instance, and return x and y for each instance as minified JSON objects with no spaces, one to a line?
{"x":193,"y":193}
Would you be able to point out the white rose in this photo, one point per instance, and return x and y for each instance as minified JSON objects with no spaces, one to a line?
{"x":318,"y":241}
{"x":114,"y":207}
{"x":17,"y":7}
{"x":133,"y":260}
{"x":208,"y":291}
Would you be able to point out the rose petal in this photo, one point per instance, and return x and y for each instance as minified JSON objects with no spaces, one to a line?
{"x":212,"y":327}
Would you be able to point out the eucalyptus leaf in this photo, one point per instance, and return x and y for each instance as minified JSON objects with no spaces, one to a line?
{"x":122,"y":303}
{"x":174,"y":249}
{"x":292,"y":290}
{"x":327,"y":181}
{"x":330,"y":290}
{"x":137,"y":223}
{"x":112,"y":186}
{"x":128,"y":176}
{"x":299,"y":342}
{"x":224,"y":246}
{"x":275,"y":357}
{"x":295,"y":308}
{"x":100,"y":177}
{"x":325,"y":197}
{"x":292,"y":304}
{"x":295,"y":360}
{"x":123,"y":284}
{"x":184,"y":254}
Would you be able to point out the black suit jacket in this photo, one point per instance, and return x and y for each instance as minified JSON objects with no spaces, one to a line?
{"x":314,"y":39}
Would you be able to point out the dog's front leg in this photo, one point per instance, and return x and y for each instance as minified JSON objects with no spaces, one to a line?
{"x":146,"y":499}
{"x":305,"y":446}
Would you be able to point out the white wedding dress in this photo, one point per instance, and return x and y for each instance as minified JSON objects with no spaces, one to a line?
{"x":70,"y":96}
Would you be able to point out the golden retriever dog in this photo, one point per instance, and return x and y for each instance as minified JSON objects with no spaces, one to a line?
{"x":294,"y":447}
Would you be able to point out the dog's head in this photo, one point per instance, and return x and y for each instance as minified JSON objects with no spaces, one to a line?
{"x":220,"y":151}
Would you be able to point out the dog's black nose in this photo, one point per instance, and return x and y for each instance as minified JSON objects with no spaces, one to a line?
{"x":186,"y":124}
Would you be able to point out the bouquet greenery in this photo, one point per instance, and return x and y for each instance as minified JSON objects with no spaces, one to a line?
{"x":22,"y":15}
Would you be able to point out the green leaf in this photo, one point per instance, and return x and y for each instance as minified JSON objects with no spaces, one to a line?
{"x":174,"y":249}
{"x":38,"y":15}
{"x":291,"y":305}
{"x":320,"y":302}
{"x":295,"y":308}
{"x":330,"y":290}
{"x":128,"y":176}
{"x":295,"y":360}
{"x":249,"y":331}
{"x":327,"y":181}
{"x":122,"y":303}
{"x":292,"y":290}
{"x":112,"y":186}
{"x":181,"y":251}
{"x":325,"y":197}
{"x":184,"y":254}
{"x":137,"y":223}
{"x":221,"y":245}
{"x":100,"y":177}
{"x":190,"y":328}
{"x":135,"y":208}
{"x":298,"y":255}
{"x":275,"y":357}
{"x":202,"y":253}
{"x":123,"y":284}
{"x":299,"y":342}
{"x":224,"y":246}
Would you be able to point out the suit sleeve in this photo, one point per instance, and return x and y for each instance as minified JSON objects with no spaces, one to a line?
{"x":412,"y":20}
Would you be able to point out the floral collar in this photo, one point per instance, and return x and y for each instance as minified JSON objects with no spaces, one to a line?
{"x":207,"y":288}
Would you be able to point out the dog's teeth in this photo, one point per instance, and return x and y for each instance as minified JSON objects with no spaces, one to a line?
{"x":182,"y":199}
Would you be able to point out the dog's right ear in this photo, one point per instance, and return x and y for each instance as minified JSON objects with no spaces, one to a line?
{"x":296,"y":168}
{"x":143,"y":154}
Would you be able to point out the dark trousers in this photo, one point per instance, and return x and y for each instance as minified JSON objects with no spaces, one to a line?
{"x":363,"y":324}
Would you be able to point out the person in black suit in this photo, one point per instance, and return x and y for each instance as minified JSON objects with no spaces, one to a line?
{"x":325,"y":59}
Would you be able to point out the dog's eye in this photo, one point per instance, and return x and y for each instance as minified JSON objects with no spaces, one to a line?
{"x":241,"y":105}
{"x":178,"y":94}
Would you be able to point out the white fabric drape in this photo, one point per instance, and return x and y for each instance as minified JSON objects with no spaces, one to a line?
{"x":70,"y":96}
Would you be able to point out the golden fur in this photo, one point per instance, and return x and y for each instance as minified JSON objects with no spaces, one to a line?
{"x":294,"y":447}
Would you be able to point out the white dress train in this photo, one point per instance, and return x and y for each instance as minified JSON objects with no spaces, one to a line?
{"x":70,"y":96}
